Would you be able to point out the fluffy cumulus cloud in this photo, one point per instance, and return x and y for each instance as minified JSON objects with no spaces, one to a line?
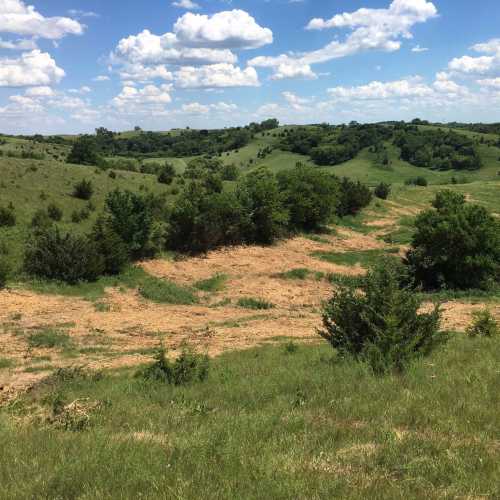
{"x":132,"y":99}
{"x":215,"y":76}
{"x":141,"y":73}
{"x":33,"y":68}
{"x":370,"y":29}
{"x":186,"y":4}
{"x":490,"y":82}
{"x":21,"y":19}
{"x":20,"y":44}
{"x":479,"y":65}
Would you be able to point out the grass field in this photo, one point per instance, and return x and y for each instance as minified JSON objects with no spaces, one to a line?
{"x":271,"y":422}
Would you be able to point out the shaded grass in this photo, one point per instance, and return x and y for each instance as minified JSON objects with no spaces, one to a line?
{"x":214,"y":284}
{"x":253,"y":303}
{"x":49,"y":338}
{"x":366,"y":258}
{"x":269,"y":422}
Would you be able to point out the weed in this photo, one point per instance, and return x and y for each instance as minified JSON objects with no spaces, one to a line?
{"x":252,"y":303}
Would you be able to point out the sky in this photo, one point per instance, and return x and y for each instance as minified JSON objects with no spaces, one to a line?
{"x":69,"y":66}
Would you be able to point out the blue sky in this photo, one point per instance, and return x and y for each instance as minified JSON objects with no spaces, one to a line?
{"x":69,"y":66}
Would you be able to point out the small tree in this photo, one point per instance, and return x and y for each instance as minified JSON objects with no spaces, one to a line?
{"x":7,"y":217}
{"x":54,"y":212}
{"x":110,"y":247}
{"x":83,"y":190}
{"x":310,"y":195}
{"x":483,"y":325}
{"x":84,"y":151}
{"x":167,"y":174}
{"x":383,"y":191}
{"x":455,"y":245}
{"x":353,"y":197}
{"x":381,"y":323}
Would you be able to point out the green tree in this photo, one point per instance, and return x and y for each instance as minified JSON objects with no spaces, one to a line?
{"x":310,"y":195}
{"x":381,"y":323}
{"x":455,"y":245}
{"x":84,"y":151}
{"x":261,"y":199}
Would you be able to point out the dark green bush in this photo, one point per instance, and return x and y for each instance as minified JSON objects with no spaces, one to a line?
{"x":382,"y":191}
{"x":111,"y":248}
{"x":417,"y":181}
{"x":41,"y":220}
{"x":7,"y":217}
{"x":83,"y":190}
{"x":230,"y":172}
{"x":456,"y":245}
{"x":353,"y":197}
{"x":381,"y":323}
{"x":167,"y":174}
{"x":84,"y":152}
{"x":187,"y":368}
{"x":310,"y":196}
{"x":64,"y":257}
{"x":54,"y":212}
{"x":261,"y":199}
{"x":4,"y":272}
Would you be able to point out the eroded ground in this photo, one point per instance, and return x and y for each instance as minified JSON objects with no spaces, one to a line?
{"x":125,"y":329}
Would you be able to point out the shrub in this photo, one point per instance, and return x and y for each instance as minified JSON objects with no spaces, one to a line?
{"x":7,"y":217}
{"x":310,"y":195}
{"x":417,"y":181}
{"x":111,"y":248}
{"x":383,"y":191}
{"x":84,"y":152}
{"x":483,"y":325}
{"x":131,"y":218}
{"x":251,"y":303}
{"x":78,"y":216}
{"x":65,"y":257}
{"x":187,"y":368}
{"x":167,"y":174}
{"x":41,"y":220}
{"x":353,"y":197}
{"x":54,"y":212}
{"x":455,"y":245}
{"x":230,"y":172}
{"x":4,"y":272}
{"x":380,"y":323}
{"x":261,"y":199}
{"x":83,"y":190}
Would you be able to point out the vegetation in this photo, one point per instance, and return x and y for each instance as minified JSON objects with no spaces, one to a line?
{"x":483,"y":325}
{"x":456,"y":245}
{"x":83,"y":190}
{"x":253,"y":303}
{"x":382,"y":325}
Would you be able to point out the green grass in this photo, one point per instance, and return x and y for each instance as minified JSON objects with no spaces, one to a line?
{"x":253,"y":303}
{"x":134,"y":277}
{"x":364,"y":258}
{"x":214,"y":284}
{"x":49,"y":338}
{"x":6,"y":363}
{"x":270,"y":422}
{"x":295,"y":274}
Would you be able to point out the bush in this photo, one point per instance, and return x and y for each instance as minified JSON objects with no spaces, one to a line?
{"x":483,"y":325}
{"x":353,"y":197}
{"x":110,"y":246}
{"x":261,"y":199}
{"x":230,"y":172}
{"x":381,"y":323}
{"x":54,"y":212}
{"x":65,"y":257}
{"x":456,"y":245}
{"x":41,"y":220}
{"x":84,"y":152}
{"x":310,"y":195}
{"x":4,"y":272}
{"x":187,"y":368}
{"x":83,"y":190}
{"x":417,"y":181}
{"x":251,"y":303}
{"x":383,"y":191}
{"x":167,"y":174}
{"x":7,"y":217}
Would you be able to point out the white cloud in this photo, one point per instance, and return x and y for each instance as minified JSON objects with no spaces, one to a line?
{"x":43,"y":91}
{"x":294,"y":69}
{"x":21,"y":44}
{"x":410,"y":87}
{"x":33,"y":68}
{"x":19,"y":18}
{"x":234,"y":29}
{"x":372,"y":29}
{"x":101,"y":78}
{"x":490,"y":82}
{"x":216,"y":76}
{"x":141,"y":73}
{"x":195,"y":108}
{"x":82,"y":13}
{"x":481,"y":65}
{"x":296,"y":102}
{"x":132,"y":99}
{"x":82,"y":90}
{"x":418,"y":49}
{"x":186,"y":4}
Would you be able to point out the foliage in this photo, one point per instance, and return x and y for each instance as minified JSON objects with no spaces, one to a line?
{"x":130,"y":216}
{"x":483,"y":325}
{"x":83,"y":190}
{"x":456,"y":245}
{"x":261,"y":199}
{"x":65,"y":257}
{"x":49,"y":338}
{"x":167,"y":174}
{"x":252,"y":303}
{"x":381,"y":324}
{"x":382,"y":191}
{"x":84,"y":152}
{"x":310,"y":196}
{"x":186,"y":369}
{"x":417,"y":181}
{"x":54,"y":212}
{"x":166,"y":292}
{"x":4,"y":272}
{"x":7,"y":217}
{"x":353,"y":197}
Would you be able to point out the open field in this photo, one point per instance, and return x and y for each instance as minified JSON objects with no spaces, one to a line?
{"x":280,"y":416}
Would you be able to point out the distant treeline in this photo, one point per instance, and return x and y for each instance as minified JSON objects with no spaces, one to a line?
{"x":430,"y":148}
